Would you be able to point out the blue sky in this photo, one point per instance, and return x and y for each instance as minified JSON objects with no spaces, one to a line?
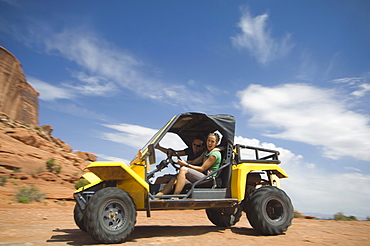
{"x":295,"y":74}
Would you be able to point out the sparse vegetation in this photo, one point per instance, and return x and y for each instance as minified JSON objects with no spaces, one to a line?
{"x":16,"y":170}
{"x":341,"y":217}
{"x":51,"y":166}
{"x":28,"y":194}
{"x":298,"y":214}
{"x":3,"y":181}
{"x":39,"y":170}
{"x":81,"y":183}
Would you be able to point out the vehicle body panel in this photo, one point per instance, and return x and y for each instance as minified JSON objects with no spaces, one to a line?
{"x":240,"y":172}
{"x":127,"y":179}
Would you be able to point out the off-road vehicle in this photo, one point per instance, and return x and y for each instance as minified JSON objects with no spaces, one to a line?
{"x":248,"y":180}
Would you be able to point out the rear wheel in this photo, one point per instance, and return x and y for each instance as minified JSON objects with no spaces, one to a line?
{"x":110,"y":215}
{"x":224,"y":217}
{"x":269,"y":210}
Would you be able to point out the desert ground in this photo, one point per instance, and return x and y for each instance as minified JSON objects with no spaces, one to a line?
{"x":50,"y":222}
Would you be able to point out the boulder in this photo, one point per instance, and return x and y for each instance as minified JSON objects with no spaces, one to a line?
{"x":20,"y":175}
{"x":47,"y":176}
{"x":91,"y":156}
{"x":87,"y":156}
{"x":47,"y":128}
{"x":82,"y":155}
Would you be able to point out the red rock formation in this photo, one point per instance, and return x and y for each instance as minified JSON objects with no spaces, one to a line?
{"x":27,"y":149}
{"x":17,"y":98}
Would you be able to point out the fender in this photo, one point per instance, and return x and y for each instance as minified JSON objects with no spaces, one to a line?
{"x":240,"y":172}
{"x":127,"y":179}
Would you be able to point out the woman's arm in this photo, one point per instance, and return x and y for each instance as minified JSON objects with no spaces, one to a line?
{"x":205,"y":166}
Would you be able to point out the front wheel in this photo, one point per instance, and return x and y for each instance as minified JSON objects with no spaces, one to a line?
{"x":269,"y":210}
{"x":78,"y":216}
{"x":224,"y":217}
{"x":110,"y":215}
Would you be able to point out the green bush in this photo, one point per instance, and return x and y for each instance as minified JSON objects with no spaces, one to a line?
{"x":24,"y":199}
{"x":341,"y":217}
{"x":52,"y":167}
{"x":81,"y":183}
{"x":28,"y":194}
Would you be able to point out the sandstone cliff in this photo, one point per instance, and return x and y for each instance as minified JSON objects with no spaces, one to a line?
{"x":17,"y":98}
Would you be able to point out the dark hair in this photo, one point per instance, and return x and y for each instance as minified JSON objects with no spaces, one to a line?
{"x":201,"y":138}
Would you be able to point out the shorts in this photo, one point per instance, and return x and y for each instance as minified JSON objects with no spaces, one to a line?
{"x":192,"y":176}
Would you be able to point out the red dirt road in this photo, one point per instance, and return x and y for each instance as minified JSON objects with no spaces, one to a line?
{"x":51,"y":223}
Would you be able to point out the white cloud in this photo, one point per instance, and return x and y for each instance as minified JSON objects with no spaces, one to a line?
{"x":96,"y":55}
{"x":311,"y":115}
{"x":50,"y":92}
{"x":91,"y":85}
{"x":359,"y":85}
{"x":103,"y":68}
{"x":137,"y":136}
{"x":131,"y":135}
{"x":364,"y":89}
{"x":111,"y":69}
{"x":313,"y":190}
{"x":256,"y":37}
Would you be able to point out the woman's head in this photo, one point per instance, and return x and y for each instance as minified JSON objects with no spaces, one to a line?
{"x":212,"y":140}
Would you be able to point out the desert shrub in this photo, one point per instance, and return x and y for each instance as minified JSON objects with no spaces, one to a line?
{"x":40,"y":170}
{"x":368,"y":218}
{"x":81,"y":183}
{"x":16,"y":170}
{"x":3,"y":181}
{"x":27,"y":194}
{"x":52,"y":167}
{"x":298,"y":214}
{"x":340,"y":216}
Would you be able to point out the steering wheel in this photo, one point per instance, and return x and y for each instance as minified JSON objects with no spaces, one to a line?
{"x":170,"y":153}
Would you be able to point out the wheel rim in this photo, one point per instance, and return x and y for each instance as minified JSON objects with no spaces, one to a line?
{"x":113,"y":216}
{"x":274,"y":210}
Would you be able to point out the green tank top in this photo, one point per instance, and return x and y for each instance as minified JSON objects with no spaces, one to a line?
{"x":216,"y":165}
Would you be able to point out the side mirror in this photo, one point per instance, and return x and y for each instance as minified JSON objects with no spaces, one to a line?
{"x":151,"y":154}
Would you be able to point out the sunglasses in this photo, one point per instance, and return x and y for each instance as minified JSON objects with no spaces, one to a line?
{"x":197,"y":145}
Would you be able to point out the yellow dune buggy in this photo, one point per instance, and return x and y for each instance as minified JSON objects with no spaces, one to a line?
{"x":247,"y":181}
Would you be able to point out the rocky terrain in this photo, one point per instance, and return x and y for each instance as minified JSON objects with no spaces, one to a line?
{"x":51,"y":223}
{"x":24,"y":151}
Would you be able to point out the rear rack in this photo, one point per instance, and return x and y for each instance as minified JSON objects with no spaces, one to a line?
{"x":258,"y":152}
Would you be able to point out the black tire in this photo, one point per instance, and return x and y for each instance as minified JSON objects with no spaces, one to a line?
{"x":110,"y":215}
{"x":269,"y":210}
{"x":224,"y":217}
{"x":78,"y":216}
